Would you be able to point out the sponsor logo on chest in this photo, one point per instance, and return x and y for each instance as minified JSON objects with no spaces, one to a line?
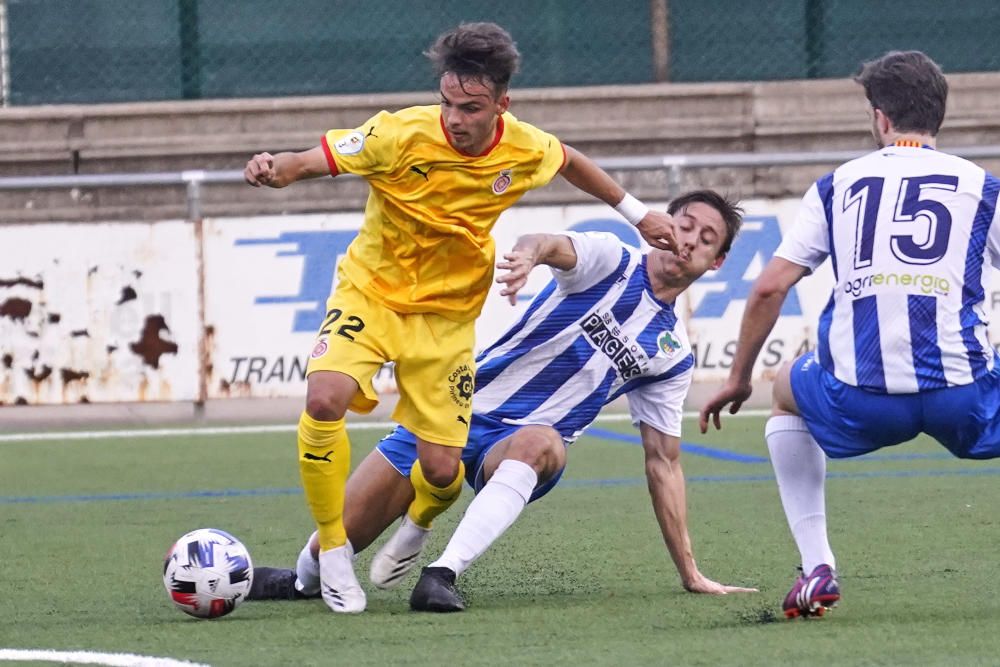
{"x":605,"y":335}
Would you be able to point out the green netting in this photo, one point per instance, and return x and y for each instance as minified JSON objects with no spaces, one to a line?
{"x":61,"y":51}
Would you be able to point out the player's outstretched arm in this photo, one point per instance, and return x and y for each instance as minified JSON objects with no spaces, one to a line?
{"x":665,"y":479}
{"x":656,"y":227}
{"x":279,"y":170}
{"x":555,"y":250}
{"x":763,"y":308}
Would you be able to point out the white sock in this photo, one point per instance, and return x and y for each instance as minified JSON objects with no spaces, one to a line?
{"x":800,"y":468}
{"x":491,"y":513}
{"x":307,"y":571}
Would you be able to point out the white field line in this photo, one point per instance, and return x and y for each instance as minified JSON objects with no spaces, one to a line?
{"x":91,"y":658}
{"x":263,"y":428}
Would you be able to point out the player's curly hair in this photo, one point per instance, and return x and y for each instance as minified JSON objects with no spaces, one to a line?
{"x":731,"y":211}
{"x":482,"y":52}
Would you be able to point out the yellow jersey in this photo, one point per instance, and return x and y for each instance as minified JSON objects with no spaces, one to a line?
{"x":425,"y":244}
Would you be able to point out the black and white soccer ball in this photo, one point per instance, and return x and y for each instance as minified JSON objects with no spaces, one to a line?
{"x":207,"y":573}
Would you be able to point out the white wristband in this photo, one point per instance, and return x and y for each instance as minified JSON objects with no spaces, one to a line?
{"x":632,"y":209}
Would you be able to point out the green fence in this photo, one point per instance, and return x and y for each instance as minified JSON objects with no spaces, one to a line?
{"x":760,"y":40}
{"x":62,"y":51}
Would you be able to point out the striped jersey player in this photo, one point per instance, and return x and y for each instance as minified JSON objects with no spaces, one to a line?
{"x":595,"y":332}
{"x":911,"y":233}
{"x":604,"y":327}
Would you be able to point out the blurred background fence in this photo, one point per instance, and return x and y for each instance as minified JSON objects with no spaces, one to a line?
{"x":85,"y":51}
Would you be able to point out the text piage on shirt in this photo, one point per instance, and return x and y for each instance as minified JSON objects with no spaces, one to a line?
{"x":608,"y":338}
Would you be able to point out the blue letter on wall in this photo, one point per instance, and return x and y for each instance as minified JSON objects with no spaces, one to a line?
{"x":320,"y":250}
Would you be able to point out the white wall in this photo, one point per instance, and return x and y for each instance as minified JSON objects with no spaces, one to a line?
{"x":266,"y":282}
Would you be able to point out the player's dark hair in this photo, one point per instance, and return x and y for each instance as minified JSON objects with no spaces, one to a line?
{"x":731,"y":211}
{"x":909,"y":88}
{"x":482,"y":52}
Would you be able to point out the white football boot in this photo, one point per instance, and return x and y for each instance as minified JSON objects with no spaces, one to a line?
{"x":341,"y":591}
{"x":399,"y":555}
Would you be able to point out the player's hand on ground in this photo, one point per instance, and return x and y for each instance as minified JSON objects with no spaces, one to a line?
{"x":732,"y":394}
{"x":260,"y":170}
{"x":702,"y":584}
{"x":518,"y":264}
{"x":657,"y":228}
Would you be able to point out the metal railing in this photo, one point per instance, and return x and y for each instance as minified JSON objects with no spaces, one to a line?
{"x":193,"y":180}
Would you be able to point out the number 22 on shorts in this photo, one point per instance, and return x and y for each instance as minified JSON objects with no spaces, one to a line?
{"x":351,"y":325}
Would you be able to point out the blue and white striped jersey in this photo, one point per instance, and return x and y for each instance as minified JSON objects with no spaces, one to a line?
{"x":594,"y":333}
{"x":910,"y":232}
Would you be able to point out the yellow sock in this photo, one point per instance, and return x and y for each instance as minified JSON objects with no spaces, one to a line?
{"x":324,"y":463}
{"x":430,"y":500}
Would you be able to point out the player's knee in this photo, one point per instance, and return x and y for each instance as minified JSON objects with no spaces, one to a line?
{"x":782,"y":398}
{"x":553,"y":461}
{"x":326,"y":401}
{"x":541,"y":447}
{"x":441,"y":475}
{"x":440,"y":465}
{"x":322,"y":408}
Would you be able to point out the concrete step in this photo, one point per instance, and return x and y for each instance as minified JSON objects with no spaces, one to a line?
{"x":600,"y":121}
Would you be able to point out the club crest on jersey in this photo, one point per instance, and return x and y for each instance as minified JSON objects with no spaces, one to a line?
{"x":319,"y":349}
{"x":668,"y":344}
{"x":351,"y":144}
{"x":502,"y":182}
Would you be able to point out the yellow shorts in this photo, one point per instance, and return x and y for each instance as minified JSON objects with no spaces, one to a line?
{"x":435,"y":366}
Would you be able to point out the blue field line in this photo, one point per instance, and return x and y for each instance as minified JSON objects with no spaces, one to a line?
{"x":567,"y":483}
{"x":726,"y":455}
{"x":696,"y":479}
{"x":686,"y":447}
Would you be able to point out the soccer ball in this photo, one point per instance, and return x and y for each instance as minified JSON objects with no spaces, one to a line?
{"x":207,"y":573}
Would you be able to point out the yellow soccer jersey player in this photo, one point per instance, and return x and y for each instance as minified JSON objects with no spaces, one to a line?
{"x":417,"y":275}
{"x":425,"y":246}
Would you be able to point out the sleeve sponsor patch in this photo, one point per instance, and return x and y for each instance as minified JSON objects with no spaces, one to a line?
{"x":350,"y":144}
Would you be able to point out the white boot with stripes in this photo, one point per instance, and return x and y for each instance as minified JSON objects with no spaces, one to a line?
{"x":399,"y":555}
